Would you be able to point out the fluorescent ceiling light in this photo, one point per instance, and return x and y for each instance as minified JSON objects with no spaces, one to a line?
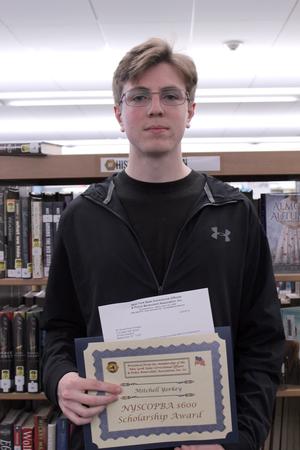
{"x":55,"y":94}
{"x":247,"y":91}
{"x":254,"y":99}
{"x":63,"y":125}
{"x":62,"y":102}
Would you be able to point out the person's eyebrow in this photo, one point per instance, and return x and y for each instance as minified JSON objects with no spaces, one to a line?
{"x":148,"y":89}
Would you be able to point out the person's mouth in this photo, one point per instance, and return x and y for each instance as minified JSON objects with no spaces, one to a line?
{"x":156,"y":128}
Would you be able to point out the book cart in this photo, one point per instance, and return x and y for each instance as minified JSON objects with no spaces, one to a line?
{"x":85,"y":169}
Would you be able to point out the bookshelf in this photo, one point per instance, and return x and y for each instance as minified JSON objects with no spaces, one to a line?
{"x":79,"y":169}
{"x":82,"y":169}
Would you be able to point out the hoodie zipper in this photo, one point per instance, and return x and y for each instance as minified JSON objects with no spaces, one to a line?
{"x":160,"y":288}
{"x":104,"y":205}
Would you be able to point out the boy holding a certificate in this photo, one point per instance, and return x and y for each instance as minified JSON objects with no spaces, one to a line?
{"x":159,"y":228}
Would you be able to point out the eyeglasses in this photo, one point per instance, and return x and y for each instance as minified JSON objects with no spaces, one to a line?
{"x":143,"y":97}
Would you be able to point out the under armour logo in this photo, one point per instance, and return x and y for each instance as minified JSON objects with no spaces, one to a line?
{"x":217,"y":233}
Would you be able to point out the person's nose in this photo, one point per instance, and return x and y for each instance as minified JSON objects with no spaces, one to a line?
{"x":155,"y":107}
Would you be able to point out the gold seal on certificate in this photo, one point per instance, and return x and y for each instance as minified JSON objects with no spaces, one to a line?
{"x":174,"y":390}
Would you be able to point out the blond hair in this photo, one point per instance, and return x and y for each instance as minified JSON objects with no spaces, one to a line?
{"x":148,"y":54}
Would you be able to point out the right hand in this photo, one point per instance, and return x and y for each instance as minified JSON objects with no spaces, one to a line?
{"x":78,"y":405}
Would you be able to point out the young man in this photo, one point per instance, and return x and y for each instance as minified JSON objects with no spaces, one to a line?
{"x":150,"y":230}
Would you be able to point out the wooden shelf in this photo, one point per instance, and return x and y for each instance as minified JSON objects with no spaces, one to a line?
{"x":85,"y":168}
{"x":22,"y":396}
{"x":287,"y":276}
{"x":23,"y":281}
{"x":43,"y":281}
{"x":289,"y":391}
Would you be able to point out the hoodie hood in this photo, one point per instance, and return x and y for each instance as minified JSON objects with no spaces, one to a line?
{"x":214,"y":191}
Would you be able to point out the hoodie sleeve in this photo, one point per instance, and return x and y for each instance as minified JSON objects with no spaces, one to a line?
{"x":62,"y":320}
{"x":259,"y":343}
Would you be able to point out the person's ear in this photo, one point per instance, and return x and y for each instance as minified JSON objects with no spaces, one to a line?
{"x":191,"y":112}
{"x":118,"y":116}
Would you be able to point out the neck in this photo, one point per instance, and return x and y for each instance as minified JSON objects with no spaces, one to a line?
{"x":153,"y":168}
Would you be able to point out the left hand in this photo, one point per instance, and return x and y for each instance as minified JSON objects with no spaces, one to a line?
{"x":200,"y":447}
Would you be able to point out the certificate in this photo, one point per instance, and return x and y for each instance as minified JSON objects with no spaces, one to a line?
{"x":175,"y":390}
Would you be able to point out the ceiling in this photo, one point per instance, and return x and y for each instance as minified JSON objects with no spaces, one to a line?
{"x":76,"y":44}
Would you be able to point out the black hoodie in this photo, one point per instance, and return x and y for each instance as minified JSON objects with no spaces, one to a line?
{"x":98,"y":260}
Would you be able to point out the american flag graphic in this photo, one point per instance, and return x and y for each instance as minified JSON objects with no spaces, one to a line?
{"x":199,"y":361}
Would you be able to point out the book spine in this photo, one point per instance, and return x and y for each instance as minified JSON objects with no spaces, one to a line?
{"x":41,"y":421}
{"x":36,"y":237}
{"x":33,"y":351}
{"x":47,"y":214}
{"x":262,"y":211}
{"x":11,"y":232}
{"x":2,"y":233}
{"x":40,"y":424}
{"x":51,"y":436}
{"x":19,"y":149}
{"x":17,"y":437}
{"x":19,"y":322}
{"x":6,"y":352}
{"x":62,"y":433}
{"x":27,"y":438}
{"x":25,"y":237}
{"x":58,"y":206}
{"x":18,"y":257}
{"x":6,"y":437}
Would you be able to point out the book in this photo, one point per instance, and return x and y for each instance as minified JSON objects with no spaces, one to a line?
{"x":7,"y":429}
{"x":33,"y":346}
{"x":58,"y":207}
{"x":280,"y":214}
{"x":62,"y":433}
{"x":41,"y":418}
{"x":27,"y":433}
{"x":18,"y":245}
{"x":19,"y":347}
{"x":291,"y":322}
{"x":29,"y":148}
{"x":39,"y":297}
{"x":25,"y":234}
{"x":12,"y":196}
{"x":51,"y":437}
{"x":47,"y":231}
{"x":36,"y":236}
{"x":2,"y":233}
{"x":18,"y":430}
{"x":29,"y":298}
{"x":6,"y":350}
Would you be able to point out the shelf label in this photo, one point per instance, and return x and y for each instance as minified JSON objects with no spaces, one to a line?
{"x":111,"y":164}
{"x":198,"y":163}
{"x":203,"y":163}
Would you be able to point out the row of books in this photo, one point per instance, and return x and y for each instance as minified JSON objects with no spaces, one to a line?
{"x":28,"y":224}
{"x":41,"y":429}
{"x":21,"y":346}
